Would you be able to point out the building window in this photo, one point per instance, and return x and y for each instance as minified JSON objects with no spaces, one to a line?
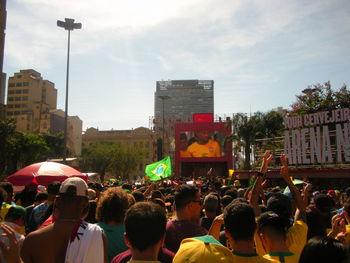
{"x":25,"y":83}
{"x":11,"y":92}
{"x":25,"y":98}
{"x":17,"y":105}
{"x":19,"y":84}
{"x":17,"y":112}
{"x":10,"y":99}
{"x":24,"y":105}
{"x":11,"y":85}
{"x":9,"y":106}
{"x":9,"y":113}
{"x":17,"y":98}
{"x":25,"y":91}
{"x":19,"y":76}
{"x":19,"y":91}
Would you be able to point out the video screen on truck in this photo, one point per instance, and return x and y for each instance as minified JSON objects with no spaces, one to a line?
{"x":201,"y":144}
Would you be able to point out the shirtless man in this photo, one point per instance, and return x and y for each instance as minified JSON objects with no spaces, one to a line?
{"x":69,"y":239}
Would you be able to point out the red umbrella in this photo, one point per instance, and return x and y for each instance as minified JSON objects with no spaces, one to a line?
{"x":44,"y":173}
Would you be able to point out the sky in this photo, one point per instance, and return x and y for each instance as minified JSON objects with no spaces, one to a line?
{"x":260,"y":54}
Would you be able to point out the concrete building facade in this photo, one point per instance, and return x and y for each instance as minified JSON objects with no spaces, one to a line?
{"x":140,"y":138}
{"x":32,"y":102}
{"x":29,"y":101}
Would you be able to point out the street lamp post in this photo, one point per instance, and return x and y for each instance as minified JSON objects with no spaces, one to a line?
{"x":68,"y":25}
{"x":163,"y":98}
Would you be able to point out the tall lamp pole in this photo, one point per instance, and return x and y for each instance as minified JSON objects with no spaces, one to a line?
{"x":68,"y":25}
{"x":163,"y":98}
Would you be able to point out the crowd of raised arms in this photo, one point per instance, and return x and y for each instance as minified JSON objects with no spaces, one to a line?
{"x":176,"y":222}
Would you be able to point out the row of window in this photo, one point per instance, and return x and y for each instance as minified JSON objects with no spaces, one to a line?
{"x":23,"y":98}
{"x":19,"y":91}
{"x":18,"y":84}
{"x":17,"y":106}
{"x":11,"y":113}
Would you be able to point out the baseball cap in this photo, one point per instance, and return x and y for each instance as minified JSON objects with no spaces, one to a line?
{"x":201,"y":250}
{"x":74,"y":186}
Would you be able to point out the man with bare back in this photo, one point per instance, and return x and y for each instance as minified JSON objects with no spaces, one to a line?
{"x":69,"y":239}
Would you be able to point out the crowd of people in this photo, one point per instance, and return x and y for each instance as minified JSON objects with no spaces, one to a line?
{"x":75,"y":221}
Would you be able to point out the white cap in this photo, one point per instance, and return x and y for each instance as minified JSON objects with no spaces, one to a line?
{"x":74,"y":186}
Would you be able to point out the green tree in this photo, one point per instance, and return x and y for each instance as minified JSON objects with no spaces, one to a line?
{"x":246,"y":130}
{"x":320,"y":97}
{"x":125,"y":161}
{"x":97,"y":157}
{"x":7,"y":131}
{"x":102,"y":157}
{"x":55,"y":145}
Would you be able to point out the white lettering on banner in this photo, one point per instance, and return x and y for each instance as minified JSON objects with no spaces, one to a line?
{"x":318,"y":118}
{"x":307,"y":139}
{"x":315,"y":144}
{"x":296,"y":146}
{"x":304,"y":145}
{"x":343,"y":142}
{"x":326,"y":146}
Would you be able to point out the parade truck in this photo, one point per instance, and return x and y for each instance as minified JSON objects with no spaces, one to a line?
{"x":203,"y":146}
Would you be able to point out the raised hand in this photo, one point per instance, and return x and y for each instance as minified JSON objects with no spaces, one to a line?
{"x":266,"y":159}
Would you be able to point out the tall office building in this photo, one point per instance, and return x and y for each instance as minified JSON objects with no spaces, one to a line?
{"x":177,"y":101}
{"x":29,"y":101}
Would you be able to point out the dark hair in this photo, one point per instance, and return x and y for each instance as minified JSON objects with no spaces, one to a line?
{"x":156,"y":194}
{"x":231,"y":192}
{"x":226,"y":200}
{"x":53,"y":188}
{"x":3,"y":195}
{"x":138,"y":195}
{"x":323,"y":250}
{"x":8,"y":187}
{"x":145,"y":224}
{"x":281,"y":205}
{"x":324,"y":202}
{"x":270,"y":222}
{"x":184,"y":195}
{"x":211,"y":203}
{"x":112,"y":205}
{"x":41,"y":196}
{"x":239,"y":221}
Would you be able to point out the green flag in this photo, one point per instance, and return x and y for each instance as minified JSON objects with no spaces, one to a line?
{"x":159,"y":170}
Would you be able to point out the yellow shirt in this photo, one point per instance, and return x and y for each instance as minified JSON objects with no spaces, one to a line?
{"x":295,"y":239}
{"x":210,"y":149}
{"x":3,"y":212}
{"x":250,"y":258}
{"x":282,"y":257}
{"x":185,"y":153}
